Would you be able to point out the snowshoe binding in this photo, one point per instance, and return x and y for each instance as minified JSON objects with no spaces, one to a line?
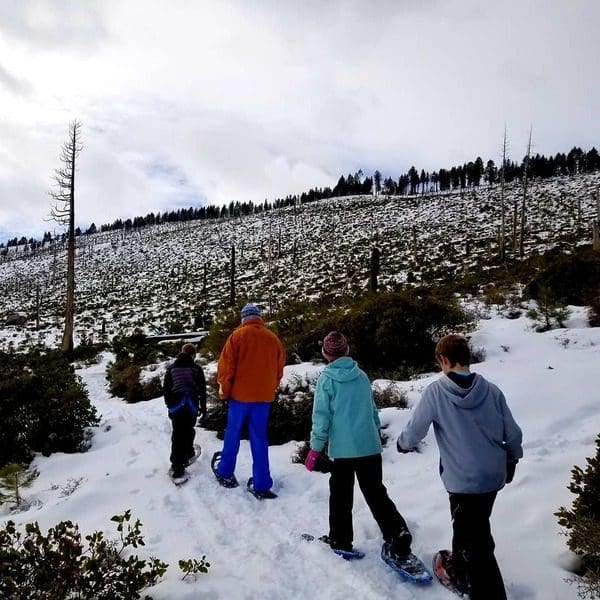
{"x":178,"y":476}
{"x":345,"y":553}
{"x":442,"y":568}
{"x":411,"y":568}
{"x":266,"y":495}
{"x":227,"y":482}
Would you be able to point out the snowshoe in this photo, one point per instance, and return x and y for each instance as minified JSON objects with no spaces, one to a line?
{"x":197,"y":451}
{"x":442,"y":568}
{"x":227,"y":482}
{"x":267,"y":495}
{"x":178,"y":477}
{"x":346,"y":554}
{"x":411,"y":568}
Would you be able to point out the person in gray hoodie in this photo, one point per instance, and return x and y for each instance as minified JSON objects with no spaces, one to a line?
{"x":480,"y":445}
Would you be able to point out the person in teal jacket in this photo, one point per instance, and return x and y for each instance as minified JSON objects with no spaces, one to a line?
{"x":345,"y":417}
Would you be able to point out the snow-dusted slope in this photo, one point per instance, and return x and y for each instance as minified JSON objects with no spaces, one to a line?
{"x":154,"y":278}
{"x":254,"y":547}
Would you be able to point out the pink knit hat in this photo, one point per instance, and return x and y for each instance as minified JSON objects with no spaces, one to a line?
{"x":335,"y":345}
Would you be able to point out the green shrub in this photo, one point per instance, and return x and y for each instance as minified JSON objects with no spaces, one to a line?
{"x":592,"y":300}
{"x":391,"y":334}
{"x":222,"y":326}
{"x":13,"y":478}
{"x":583,"y":523}
{"x":44,"y":407}
{"x":58,"y":565}
{"x":389,"y":396}
{"x":569,"y":277}
{"x":550,"y":312}
{"x":131,"y":354}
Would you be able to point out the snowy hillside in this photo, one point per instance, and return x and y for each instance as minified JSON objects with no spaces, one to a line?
{"x":163,"y":277}
{"x":255,"y":548}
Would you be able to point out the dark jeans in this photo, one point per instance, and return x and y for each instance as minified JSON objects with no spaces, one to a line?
{"x":182,"y":436}
{"x":369,"y":473}
{"x":473,"y":546}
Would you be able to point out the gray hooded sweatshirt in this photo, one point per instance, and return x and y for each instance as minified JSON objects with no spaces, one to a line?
{"x":475,"y":432}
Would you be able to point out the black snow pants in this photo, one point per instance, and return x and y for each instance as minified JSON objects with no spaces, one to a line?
{"x":369,"y":472}
{"x":473,"y":546}
{"x":182,"y":437}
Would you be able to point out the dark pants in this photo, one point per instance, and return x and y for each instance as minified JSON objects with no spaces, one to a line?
{"x":369,"y":473}
{"x":182,"y":437}
{"x":473,"y":546}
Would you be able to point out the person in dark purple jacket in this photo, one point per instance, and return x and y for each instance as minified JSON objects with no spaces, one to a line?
{"x":185,"y":397}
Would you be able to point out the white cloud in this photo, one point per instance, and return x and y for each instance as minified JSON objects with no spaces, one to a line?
{"x":218,"y":101}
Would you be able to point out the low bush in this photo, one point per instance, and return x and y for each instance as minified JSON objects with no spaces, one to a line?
{"x":569,"y":277}
{"x":132,"y":353}
{"x":60,"y":565}
{"x":44,"y":407}
{"x":391,"y":335}
{"x":582,"y":522}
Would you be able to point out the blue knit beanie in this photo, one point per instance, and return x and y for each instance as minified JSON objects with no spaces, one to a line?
{"x":249,"y":311}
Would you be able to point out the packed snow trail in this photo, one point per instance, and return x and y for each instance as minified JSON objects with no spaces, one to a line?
{"x":254,"y":547}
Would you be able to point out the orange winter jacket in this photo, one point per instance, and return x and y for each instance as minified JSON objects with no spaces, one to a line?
{"x":251,"y":363}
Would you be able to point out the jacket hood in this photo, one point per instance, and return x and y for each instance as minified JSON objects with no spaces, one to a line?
{"x":470,"y":397}
{"x":342,"y":369}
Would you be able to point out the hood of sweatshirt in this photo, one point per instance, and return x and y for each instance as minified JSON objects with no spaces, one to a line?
{"x":342,"y":369}
{"x":470,"y":397}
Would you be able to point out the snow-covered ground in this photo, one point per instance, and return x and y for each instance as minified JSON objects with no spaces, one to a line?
{"x":255,"y":551}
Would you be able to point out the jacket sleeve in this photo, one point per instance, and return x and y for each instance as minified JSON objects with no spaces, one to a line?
{"x":168,"y":388}
{"x":201,"y":387}
{"x":418,"y":426}
{"x":226,"y":368}
{"x":321,"y":417}
{"x":513,"y":437}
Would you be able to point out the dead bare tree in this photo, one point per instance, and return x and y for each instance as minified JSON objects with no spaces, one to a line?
{"x":596,"y":224}
{"x":524,"y":201}
{"x":63,"y":212}
{"x":502,"y":233}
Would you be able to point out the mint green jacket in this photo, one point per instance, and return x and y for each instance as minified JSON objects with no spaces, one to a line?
{"x":344,"y":413}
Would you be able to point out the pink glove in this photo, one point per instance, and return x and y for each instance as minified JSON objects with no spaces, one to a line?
{"x":311,"y":459}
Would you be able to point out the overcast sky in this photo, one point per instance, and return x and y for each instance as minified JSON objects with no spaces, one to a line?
{"x":191,"y":102}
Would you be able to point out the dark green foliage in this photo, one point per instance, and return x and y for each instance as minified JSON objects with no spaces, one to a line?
{"x":58,"y":565}
{"x":390,"y":397}
{"x":395,"y":334}
{"x":550,"y":310}
{"x":191,"y":567}
{"x":569,"y":277}
{"x":583,"y":523}
{"x":291,"y":412}
{"x":222,"y":326}
{"x":593,"y":301}
{"x":44,"y":407}
{"x":13,"y":478}
{"x":390,"y":334}
{"x":131,"y":354}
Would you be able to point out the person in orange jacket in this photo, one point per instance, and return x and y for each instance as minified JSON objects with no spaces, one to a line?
{"x":249,"y":371}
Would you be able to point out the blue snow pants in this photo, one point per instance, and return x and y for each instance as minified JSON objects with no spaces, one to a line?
{"x":256,"y":416}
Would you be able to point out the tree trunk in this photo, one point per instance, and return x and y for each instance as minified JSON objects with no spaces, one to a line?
{"x":67,"y":343}
{"x":374,"y":270}
{"x":232,"y":278}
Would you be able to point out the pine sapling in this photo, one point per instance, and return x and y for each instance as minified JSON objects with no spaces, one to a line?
{"x":13,"y":478}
